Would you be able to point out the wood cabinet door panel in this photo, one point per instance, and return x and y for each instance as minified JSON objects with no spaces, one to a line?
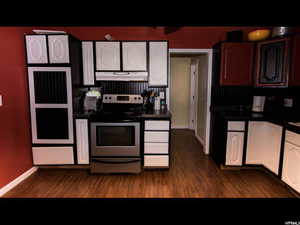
{"x":295,"y":66}
{"x":236,"y":64}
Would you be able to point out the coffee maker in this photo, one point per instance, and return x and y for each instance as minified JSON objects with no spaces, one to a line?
{"x":93,"y":100}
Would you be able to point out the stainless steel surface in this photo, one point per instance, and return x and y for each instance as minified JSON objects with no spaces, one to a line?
{"x":281,"y":31}
{"x":116,"y":165}
{"x":115,"y":150}
{"x":122,"y":99}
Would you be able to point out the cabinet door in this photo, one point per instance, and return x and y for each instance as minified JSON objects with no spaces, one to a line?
{"x":291,"y":166}
{"x":82,"y":139}
{"x":234,"y":148}
{"x":271,"y":150}
{"x":58,"y":48}
{"x":272,"y":63}
{"x":36,"y":49}
{"x":88,"y":63}
{"x":134,"y":56}
{"x":255,"y":142}
{"x":52,"y":155}
{"x":236,"y":64}
{"x":158,"y":63}
{"x":108,"y":56}
{"x":295,"y":66}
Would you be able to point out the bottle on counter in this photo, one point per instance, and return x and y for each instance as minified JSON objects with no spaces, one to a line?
{"x":157,"y":103}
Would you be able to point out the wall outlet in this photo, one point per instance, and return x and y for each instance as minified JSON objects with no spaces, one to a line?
{"x":1,"y":101}
{"x":288,"y":102}
{"x":162,"y":95}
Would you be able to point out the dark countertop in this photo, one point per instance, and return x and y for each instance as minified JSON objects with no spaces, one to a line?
{"x":154,"y":114}
{"x":281,"y":118}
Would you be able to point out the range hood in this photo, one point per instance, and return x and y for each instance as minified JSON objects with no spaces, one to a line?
{"x":122,"y":76}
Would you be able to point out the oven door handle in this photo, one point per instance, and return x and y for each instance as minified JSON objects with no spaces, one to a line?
{"x":114,"y":162}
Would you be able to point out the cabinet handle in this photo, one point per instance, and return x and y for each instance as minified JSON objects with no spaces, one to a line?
{"x":115,"y":162}
{"x":121,"y":73}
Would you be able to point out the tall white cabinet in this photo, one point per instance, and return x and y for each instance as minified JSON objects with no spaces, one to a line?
{"x":158,"y":63}
{"x":88,"y":63}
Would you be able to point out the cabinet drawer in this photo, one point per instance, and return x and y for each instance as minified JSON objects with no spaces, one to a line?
{"x":156,"y":148}
{"x":236,"y":125}
{"x":52,"y":155}
{"x":157,"y":125}
{"x":292,"y":137}
{"x":156,"y":161}
{"x":156,"y":136}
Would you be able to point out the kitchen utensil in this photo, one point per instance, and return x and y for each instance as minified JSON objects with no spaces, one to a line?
{"x":258,"y":35}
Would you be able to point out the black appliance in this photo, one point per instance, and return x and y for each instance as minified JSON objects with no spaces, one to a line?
{"x":115,"y":135}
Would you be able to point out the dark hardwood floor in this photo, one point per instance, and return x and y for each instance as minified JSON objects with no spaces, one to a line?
{"x":192,"y":174}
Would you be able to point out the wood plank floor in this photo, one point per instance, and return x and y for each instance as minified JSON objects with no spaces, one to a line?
{"x":192,"y":174}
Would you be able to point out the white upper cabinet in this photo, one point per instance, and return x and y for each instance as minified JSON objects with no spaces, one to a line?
{"x":158,"y":63}
{"x":134,"y":55}
{"x":234,"y":148}
{"x":58,"y":48}
{"x":291,"y":165}
{"x":88,"y":63}
{"x":108,"y":56}
{"x":36,"y":49}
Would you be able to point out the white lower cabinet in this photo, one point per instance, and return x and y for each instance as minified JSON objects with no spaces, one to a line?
{"x":52,"y":155}
{"x":291,"y":165}
{"x":263,"y":145}
{"x":82,"y":141}
{"x":234,"y":148}
{"x":156,"y":143}
{"x":156,"y":161}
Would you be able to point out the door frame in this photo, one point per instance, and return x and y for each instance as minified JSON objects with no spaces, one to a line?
{"x":196,"y":51}
{"x":193,"y":88}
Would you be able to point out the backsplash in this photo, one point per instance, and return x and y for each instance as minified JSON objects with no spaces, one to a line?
{"x":234,"y":96}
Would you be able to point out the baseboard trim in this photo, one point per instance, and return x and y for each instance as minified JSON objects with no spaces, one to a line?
{"x":179,"y":127}
{"x":202,"y":143}
{"x":16,"y":181}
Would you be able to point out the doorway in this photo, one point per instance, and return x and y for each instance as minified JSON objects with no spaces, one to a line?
{"x":189,"y":91}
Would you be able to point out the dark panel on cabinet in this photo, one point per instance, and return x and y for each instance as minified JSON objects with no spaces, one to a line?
{"x":52,"y":123}
{"x":236,"y":64}
{"x":295,"y":66}
{"x":50,"y":87}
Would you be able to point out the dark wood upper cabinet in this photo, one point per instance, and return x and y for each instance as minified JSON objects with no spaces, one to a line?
{"x":236,"y":64}
{"x":294,"y":79}
{"x":272,"y":63}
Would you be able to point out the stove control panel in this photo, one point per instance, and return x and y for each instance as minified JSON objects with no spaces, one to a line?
{"x":125,"y":99}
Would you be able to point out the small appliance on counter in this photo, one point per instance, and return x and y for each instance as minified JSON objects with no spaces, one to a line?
{"x":258,"y":103}
{"x":92,"y":100}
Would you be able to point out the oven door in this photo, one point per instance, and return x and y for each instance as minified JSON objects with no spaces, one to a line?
{"x":115,"y":139}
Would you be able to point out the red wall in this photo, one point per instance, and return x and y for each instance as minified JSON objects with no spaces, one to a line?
{"x":15,"y":138}
{"x":15,"y":150}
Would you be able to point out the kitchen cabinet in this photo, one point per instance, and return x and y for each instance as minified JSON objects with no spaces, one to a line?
{"x":88,"y":63}
{"x":294,"y":79}
{"x":58,"y":49}
{"x":108,"y":56}
{"x":53,"y":155}
{"x":36,"y":49}
{"x":264,"y":144}
{"x":272,"y":63}
{"x":236,"y":64}
{"x":134,"y":56}
{"x":82,"y":141}
{"x":48,"y":49}
{"x":235,"y":143}
{"x":158,"y":63}
{"x":50,"y":92}
{"x":156,"y":143}
{"x":291,"y":161}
